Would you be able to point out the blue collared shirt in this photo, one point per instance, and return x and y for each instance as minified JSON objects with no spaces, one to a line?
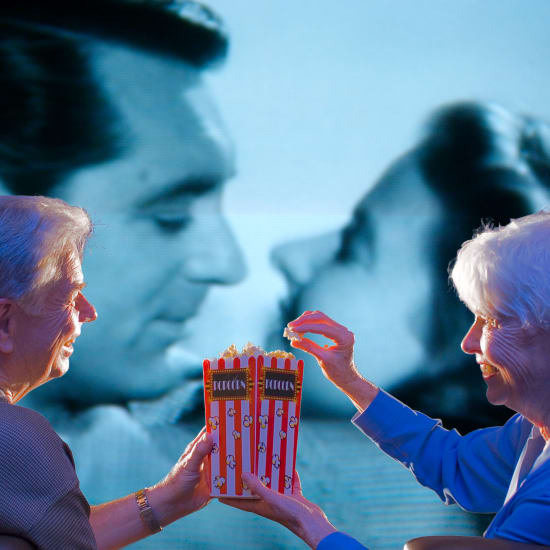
{"x":503,"y":470}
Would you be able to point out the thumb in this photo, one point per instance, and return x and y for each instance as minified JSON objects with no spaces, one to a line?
{"x":201,"y":449}
{"x":256,"y":486}
{"x":296,"y":484}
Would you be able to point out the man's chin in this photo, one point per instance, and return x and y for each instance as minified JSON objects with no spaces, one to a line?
{"x":60,"y":368}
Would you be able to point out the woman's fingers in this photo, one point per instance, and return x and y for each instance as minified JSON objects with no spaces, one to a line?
{"x":325,"y":326}
{"x":309,"y":346}
{"x":296,"y":485}
{"x":256,"y":486}
{"x":314,"y":317}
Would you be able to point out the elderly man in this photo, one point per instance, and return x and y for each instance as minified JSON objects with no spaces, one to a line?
{"x":42,"y":313}
{"x":103,"y":105}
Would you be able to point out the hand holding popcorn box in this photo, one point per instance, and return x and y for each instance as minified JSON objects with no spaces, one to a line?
{"x":252,"y":407}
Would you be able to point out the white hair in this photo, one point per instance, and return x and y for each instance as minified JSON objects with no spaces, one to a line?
{"x":504,"y":272}
{"x":39,"y":236}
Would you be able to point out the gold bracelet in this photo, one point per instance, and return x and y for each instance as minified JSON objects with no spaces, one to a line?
{"x":146,"y":512}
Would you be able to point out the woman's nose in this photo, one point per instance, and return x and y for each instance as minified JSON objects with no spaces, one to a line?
{"x":470,"y":342}
{"x":214,"y":257}
{"x":299,"y":260}
{"x":86,"y":311}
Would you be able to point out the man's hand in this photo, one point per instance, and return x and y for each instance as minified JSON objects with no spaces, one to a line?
{"x":295,"y":512}
{"x":182,"y":491}
{"x":185,"y":489}
{"x":335,"y":361}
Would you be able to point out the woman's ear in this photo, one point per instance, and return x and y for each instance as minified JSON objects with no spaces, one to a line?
{"x":7,"y":325}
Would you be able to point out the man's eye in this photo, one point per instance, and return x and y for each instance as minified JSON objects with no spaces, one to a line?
{"x":171,"y":223}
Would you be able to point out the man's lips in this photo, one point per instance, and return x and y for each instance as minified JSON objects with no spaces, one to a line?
{"x":487,"y":370}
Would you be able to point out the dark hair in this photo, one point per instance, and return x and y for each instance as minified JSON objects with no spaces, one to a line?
{"x":484,"y":163}
{"x":54,"y":116}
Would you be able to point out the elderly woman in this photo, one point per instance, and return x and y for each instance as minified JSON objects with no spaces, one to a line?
{"x":502,"y":277}
{"x":42,"y":311}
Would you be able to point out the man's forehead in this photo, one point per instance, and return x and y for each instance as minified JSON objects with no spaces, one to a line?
{"x":169,"y":122}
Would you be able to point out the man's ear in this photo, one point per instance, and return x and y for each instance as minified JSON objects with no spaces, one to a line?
{"x":7,"y":325}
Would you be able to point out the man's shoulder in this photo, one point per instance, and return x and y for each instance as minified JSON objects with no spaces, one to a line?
{"x":20,"y":424}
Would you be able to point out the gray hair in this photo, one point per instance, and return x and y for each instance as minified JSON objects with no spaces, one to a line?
{"x":38,"y":237}
{"x":504,"y":272}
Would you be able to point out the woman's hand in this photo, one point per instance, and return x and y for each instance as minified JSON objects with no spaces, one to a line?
{"x":185,"y":489}
{"x":335,"y":361}
{"x":295,"y":512}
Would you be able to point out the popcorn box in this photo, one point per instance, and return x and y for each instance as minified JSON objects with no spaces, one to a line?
{"x":252,"y":409}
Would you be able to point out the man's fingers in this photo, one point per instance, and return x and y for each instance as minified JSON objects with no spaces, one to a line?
{"x":203,"y":446}
{"x":193,"y":442}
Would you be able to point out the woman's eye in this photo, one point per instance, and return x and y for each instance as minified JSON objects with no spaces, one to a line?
{"x":491,"y":323}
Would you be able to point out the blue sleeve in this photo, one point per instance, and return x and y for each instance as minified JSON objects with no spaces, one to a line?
{"x":473,"y":470}
{"x":340,"y":541}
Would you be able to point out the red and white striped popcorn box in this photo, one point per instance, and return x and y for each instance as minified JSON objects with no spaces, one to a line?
{"x":278,"y":398}
{"x":230,"y":411}
{"x":252,"y":410}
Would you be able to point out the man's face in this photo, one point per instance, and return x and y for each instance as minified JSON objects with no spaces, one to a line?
{"x":380,"y":289}
{"x":160,"y":240}
{"x":45,"y":333}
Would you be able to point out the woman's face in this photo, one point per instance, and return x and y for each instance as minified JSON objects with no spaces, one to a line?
{"x":379,"y":285}
{"x":513,"y":363}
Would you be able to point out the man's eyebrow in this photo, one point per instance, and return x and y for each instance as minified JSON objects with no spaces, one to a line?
{"x":80,"y":286}
{"x":187,"y":187}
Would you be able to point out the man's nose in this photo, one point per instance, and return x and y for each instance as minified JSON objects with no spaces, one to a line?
{"x":86,"y":311}
{"x":214,"y":257}
{"x":470,"y":342}
{"x":299,"y":260}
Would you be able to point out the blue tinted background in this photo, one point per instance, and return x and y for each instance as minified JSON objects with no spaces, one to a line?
{"x":321,"y":96}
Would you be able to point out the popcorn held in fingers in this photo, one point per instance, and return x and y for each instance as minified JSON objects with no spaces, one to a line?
{"x":252,"y":406}
{"x":291,"y":335}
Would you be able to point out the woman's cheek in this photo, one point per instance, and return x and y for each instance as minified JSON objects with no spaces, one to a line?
{"x":505,"y":350}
